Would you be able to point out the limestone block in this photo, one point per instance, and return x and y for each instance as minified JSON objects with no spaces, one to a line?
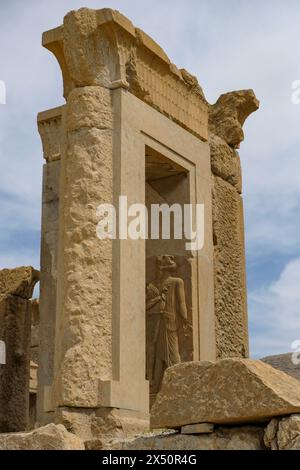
{"x":19,"y":281}
{"x":96,"y":427}
{"x":288,"y":435}
{"x":50,"y":130}
{"x":85,"y":266}
{"x":89,"y":107}
{"x":76,"y":421}
{"x":225,"y":162}
{"x":228,"y":115}
{"x":201,"y":428}
{"x":14,"y":375}
{"x":229,"y":272}
{"x":240,"y":438}
{"x":103,"y":48}
{"x":50,"y":437}
{"x":226,"y":392}
{"x":283,"y":434}
{"x":270,"y":435}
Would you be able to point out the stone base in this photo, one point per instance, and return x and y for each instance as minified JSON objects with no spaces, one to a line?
{"x":50,"y":437}
{"x":279,"y":434}
{"x":237,"y":438}
{"x":98,"y":426}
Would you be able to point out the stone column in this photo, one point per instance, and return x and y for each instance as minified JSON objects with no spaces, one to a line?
{"x":16,"y":288}
{"x":49,"y":125}
{"x":84,"y":295}
{"x":227,"y":117}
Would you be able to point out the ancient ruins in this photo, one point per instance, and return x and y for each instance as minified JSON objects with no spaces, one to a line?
{"x":126,"y":329}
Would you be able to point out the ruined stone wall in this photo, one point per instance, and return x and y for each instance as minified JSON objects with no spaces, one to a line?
{"x":226,"y":119}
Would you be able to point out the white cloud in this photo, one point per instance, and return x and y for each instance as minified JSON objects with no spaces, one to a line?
{"x":275,"y":313}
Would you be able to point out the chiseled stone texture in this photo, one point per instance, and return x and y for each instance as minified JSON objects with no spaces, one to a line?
{"x":225,"y":162}
{"x":229,"y":272}
{"x":226,"y":120}
{"x":16,"y":288}
{"x":229,"y":391}
{"x":50,"y":437}
{"x":97,"y":427}
{"x":85,"y":262}
{"x":229,"y":113}
{"x":235,"y":438}
{"x":18,"y":281}
{"x":283,"y":434}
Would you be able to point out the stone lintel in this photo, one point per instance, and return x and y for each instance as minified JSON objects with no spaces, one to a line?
{"x":103,"y":48}
{"x":49,"y":114}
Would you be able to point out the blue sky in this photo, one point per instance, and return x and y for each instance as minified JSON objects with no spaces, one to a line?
{"x":229,"y":45}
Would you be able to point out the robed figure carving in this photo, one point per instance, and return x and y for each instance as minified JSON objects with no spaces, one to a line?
{"x":166,"y":310}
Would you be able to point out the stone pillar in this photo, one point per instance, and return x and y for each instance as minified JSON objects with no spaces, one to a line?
{"x":49,"y":124}
{"x":227,"y":117}
{"x":83,"y":344}
{"x":16,"y":288}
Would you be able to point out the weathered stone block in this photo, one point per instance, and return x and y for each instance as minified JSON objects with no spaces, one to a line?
{"x":228,"y":115}
{"x":225,"y":162}
{"x":19,"y":281}
{"x":283,"y":434}
{"x":227,"y":392}
{"x":50,"y":437}
{"x":229,"y":272}
{"x":242,"y":438}
{"x":14,"y":375}
{"x":201,"y":428}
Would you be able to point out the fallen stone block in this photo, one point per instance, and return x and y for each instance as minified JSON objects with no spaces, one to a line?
{"x":230,"y":391}
{"x":50,"y":437}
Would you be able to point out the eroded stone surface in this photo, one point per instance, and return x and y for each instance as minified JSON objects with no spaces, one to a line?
{"x":16,"y":288}
{"x":229,"y":113}
{"x":226,"y":120}
{"x":229,"y":272}
{"x":19,"y":281}
{"x":225,"y":162}
{"x":242,"y":438}
{"x":50,"y":437}
{"x":227,"y":392}
{"x":283,"y":434}
{"x":97,"y":427}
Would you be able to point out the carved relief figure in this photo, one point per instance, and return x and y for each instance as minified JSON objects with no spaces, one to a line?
{"x":166,"y":309}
